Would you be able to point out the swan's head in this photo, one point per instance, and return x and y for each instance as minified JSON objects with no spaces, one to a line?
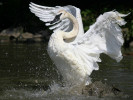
{"x":62,"y":14}
{"x":117,"y":17}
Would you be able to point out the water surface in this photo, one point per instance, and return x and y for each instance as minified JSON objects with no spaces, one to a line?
{"x":26,"y":71}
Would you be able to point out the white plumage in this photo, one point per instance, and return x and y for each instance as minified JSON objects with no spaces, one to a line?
{"x":74,"y":52}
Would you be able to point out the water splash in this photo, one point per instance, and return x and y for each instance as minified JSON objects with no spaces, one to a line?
{"x":54,"y":93}
{"x":64,"y":90}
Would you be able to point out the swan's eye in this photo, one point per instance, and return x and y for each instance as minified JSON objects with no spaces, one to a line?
{"x":57,"y":18}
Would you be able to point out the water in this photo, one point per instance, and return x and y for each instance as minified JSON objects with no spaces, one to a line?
{"x":26,"y":71}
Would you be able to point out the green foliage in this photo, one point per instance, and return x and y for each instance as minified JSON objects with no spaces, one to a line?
{"x":88,"y":18}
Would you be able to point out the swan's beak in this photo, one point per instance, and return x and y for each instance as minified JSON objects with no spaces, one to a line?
{"x":57,"y":18}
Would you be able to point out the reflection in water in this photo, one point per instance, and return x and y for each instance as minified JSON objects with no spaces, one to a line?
{"x":26,"y":72}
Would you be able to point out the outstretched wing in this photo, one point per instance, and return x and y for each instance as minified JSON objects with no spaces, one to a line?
{"x":47,"y":14}
{"x":104,"y":36}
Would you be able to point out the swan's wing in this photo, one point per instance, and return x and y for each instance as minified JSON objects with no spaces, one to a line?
{"x":103,"y":37}
{"x":47,"y":14}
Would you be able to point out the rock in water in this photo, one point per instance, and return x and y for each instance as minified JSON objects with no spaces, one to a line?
{"x":102,"y":90}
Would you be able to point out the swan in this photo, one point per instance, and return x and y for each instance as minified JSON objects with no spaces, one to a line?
{"x":75,"y":52}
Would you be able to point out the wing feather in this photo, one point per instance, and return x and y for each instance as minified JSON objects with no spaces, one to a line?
{"x":104,"y":36}
{"x":47,"y":14}
{"x":44,"y":7}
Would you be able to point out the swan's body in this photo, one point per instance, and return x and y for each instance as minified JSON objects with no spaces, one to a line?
{"x":74,"y":53}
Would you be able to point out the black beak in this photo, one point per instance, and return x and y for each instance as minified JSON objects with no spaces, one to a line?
{"x":57,"y":18}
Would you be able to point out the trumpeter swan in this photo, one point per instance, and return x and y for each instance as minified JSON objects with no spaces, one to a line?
{"x":74,"y":52}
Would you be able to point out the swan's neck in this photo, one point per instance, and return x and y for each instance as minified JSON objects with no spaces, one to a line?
{"x":73,"y":33}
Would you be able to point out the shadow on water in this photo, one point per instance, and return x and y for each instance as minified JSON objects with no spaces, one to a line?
{"x":26,"y":71}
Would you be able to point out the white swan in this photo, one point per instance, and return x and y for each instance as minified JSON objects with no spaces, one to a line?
{"x":74,"y":53}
